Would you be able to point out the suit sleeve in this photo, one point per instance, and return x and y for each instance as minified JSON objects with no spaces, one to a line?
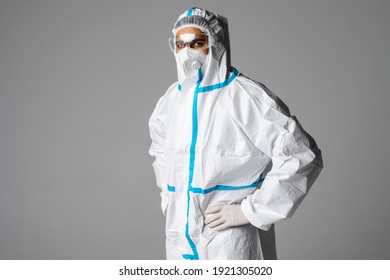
{"x":296,"y":159}
{"x":157,"y":128}
{"x":157,"y":134}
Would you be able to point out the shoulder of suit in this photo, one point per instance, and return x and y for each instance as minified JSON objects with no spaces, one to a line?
{"x":258,"y":92}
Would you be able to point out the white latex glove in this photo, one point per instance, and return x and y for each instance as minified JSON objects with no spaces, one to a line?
{"x":225,"y":216}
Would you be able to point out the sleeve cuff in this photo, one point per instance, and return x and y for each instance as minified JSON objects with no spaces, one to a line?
{"x":245,"y":208}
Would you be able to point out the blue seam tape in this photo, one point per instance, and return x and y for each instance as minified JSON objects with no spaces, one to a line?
{"x":219,"y":187}
{"x":195,"y":255}
{"x":220,"y":85}
{"x":215,"y":86}
{"x":223,"y":188}
{"x":188,"y":257}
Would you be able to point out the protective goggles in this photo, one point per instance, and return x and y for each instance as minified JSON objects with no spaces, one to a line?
{"x":190,"y":40}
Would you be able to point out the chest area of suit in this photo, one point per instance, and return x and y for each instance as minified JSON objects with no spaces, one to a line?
{"x":202,"y":121}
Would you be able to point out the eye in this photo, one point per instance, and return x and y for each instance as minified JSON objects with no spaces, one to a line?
{"x":180,"y":44}
{"x":198,"y":43}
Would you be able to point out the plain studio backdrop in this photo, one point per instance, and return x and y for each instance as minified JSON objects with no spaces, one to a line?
{"x":80,"y":79}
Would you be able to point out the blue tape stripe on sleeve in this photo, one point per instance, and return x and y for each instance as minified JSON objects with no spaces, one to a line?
{"x":171,"y":188}
{"x":261,"y":177}
{"x":179,"y":87}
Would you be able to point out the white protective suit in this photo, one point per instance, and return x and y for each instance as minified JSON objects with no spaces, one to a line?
{"x":219,"y":139}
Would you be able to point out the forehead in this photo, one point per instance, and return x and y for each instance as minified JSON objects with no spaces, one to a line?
{"x":189,"y":30}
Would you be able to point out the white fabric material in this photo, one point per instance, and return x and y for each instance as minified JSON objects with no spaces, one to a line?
{"x":212,"y":137}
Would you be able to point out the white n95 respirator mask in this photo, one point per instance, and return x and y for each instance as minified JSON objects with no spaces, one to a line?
{"x":189,"y":61}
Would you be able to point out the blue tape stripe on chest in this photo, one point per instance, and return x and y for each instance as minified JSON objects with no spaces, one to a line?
{"x":195,"y":255}
{"x":220,"y":85}
{"x":215,"y":86}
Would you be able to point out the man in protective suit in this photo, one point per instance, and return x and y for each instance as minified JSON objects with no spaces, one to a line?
{"x":230,"y":160}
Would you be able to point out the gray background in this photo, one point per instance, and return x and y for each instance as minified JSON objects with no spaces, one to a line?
{"x":79,"y":80}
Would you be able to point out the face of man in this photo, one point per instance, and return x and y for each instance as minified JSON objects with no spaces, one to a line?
{"x":191,"y":37}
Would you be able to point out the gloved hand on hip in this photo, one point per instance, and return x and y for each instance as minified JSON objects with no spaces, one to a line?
{"x":225,"y":216}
